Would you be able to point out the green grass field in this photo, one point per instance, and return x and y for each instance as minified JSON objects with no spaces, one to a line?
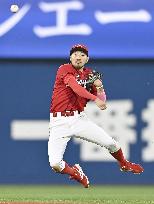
{"x":77,"y":194}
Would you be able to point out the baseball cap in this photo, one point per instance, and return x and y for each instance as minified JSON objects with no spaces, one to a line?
{"x":79,"y":47}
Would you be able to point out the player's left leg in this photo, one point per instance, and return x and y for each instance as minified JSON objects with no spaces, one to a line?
{"x":126,"y":165}
{"x":89,"y":131}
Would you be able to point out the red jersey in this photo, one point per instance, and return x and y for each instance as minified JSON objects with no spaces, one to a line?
{"x":64,"y":98}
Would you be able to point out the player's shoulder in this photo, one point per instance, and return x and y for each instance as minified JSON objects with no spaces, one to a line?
{"x":65,"y":69}
{"x":65,"y":66}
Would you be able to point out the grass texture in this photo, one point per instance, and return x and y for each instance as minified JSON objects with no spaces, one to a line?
{"x":77,"y":194}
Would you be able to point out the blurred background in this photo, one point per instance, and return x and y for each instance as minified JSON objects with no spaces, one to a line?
{"x":34,"y":42}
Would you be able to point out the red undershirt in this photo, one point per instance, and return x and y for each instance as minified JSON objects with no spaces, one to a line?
{"x":71,"y":82}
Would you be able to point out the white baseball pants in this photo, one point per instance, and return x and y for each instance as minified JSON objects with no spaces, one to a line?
{"x":63,"y":128}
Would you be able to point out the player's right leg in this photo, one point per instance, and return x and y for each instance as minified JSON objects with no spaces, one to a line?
{"x":56,"y":148}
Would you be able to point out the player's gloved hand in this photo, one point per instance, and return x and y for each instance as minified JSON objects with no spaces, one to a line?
{"x":101,"y":104}
{"x":93,"y":76}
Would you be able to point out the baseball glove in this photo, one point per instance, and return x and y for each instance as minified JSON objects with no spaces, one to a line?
{"x":93,"y":76}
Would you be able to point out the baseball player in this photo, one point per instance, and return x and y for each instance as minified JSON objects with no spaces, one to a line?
{"x":74,"y":86}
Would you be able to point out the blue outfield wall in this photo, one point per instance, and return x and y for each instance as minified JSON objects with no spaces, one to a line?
{"x":110,"y":29}
{"x":25,"y":91}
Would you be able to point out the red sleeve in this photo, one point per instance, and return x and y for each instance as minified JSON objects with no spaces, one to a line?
{"x":71,"y":82}
{"x":94,"y":90}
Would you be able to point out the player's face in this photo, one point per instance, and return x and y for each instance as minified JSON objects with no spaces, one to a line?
{"x":79,"y":59}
